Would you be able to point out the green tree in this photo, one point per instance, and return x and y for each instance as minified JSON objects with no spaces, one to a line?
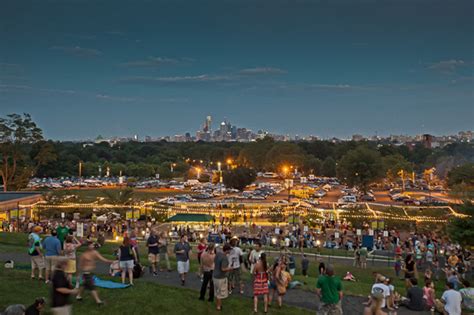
{"x":239,"y":178}
{"x":328,"y":168}
{"x":17,"y":133}
{"x":461,"y":230}
{"x":360,"y":167}
{"x":119,"y":197}
{"x":284,"y":153}
{"x":463,"y":174}
{"x":393,"y":164}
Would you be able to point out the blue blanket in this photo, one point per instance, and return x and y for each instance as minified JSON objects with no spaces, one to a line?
{"x":106,"y":284}
{"x":109,"y":284}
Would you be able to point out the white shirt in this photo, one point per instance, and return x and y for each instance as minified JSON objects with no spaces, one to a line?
{"x":381,"y":288}
{"x":234,"y":257}
{"x":453,"y":301}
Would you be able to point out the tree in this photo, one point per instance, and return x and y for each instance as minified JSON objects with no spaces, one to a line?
{"x":284,"y":153}
{"x":360,"y":167}
{"x":463,"y":174}
{"x":328,"y":168}
{"x":119,"y":197}
{"x":393,"y":164}
{"x":239,"y":178}
{"x":16,"y":133}
{"x":461,"y":230}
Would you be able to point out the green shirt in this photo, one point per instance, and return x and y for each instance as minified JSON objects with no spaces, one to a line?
{"x":62,"y":231}
{"x":330,"y":288}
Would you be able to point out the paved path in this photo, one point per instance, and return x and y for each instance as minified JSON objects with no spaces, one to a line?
{"x":295,"y":297}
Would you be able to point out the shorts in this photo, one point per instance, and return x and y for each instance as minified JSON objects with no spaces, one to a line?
{"x":183,"y":266}
{"x":88,"y":281}
{"x":153,"y":258}
{"x":234,"y":275}
{"x":62,"y":310}
{"x":292,"y":271}
{"x":38,"y":262}
{"x":221,"y":288}
{"x":126,"y":264}
{"x":50,"y":262}
{"x":71,"y":266}
{"x":363,"y":259}
{"x":330,"y":309}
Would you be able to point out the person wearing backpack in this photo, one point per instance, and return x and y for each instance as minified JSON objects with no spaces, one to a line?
{"x":35,"y":252}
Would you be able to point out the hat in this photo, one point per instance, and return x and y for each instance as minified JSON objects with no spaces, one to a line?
{"x":381,"y":278}
{"x":234,"y":238}
{"x":37,"y":229}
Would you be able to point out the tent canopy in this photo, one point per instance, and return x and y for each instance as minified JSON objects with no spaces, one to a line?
{"x":190,"y":217}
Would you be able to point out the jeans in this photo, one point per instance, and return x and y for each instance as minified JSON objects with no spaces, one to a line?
{"x":207,"y":279}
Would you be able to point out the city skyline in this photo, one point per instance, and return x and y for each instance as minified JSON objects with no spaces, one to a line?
{"x":312,"y":68}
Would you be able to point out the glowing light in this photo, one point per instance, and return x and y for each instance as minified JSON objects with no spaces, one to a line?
{"x":274,"y":240}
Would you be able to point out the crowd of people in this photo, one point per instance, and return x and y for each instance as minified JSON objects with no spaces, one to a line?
{"x":222,"y":260}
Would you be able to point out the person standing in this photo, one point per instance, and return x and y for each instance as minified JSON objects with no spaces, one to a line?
{"x":200,"y":249}
{"x":182,"y":250}
{"x":153,"y":252}
{"x":329,"y":289}
{"x":207,"y":267}
{"x":71,"y":244}
{"x":35,"y":252}
{"x":52,"y":248}
{"x":127,"y":256}
{"x":363,"y":257}
{"x":163,"y":245}
{"x":62,"y":231}
{"x":304,"y":265}
{"x":221,"y":268}
{"x":61,"y":290}
{"x":260,"y":282}
{"x":235,"y":258}
{"x":255,"y":255}
{"x":409,"y":269}
{"x":87,"y":264}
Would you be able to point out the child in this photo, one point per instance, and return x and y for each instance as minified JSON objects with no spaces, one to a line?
{"x":398,"y":265}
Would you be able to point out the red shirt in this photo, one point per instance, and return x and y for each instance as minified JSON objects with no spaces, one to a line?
{"x":201,"y":248}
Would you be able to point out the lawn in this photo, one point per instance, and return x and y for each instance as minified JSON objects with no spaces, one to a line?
{"x":143,"y":298}
{"x":14,"y":242}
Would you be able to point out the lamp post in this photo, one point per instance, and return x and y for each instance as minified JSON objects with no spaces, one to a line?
{"x":219,"y":169}
{"x":229,"y":163}
{"x":172,"y":166}
{"x":198,"y":170}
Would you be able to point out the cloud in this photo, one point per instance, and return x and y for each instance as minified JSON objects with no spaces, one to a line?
{"x":78,"y":51}
{"x":262,"y":71}
{"x":177,"y":79}
{"x":447,"y":66}
{"x":151,"y":62}
{"x":28,"y":88}
{"x":116,"y":98}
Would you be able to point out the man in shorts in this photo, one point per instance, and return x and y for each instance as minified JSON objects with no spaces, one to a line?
{"x":182,"y":250}
{"x":153,"y":252}
{"x":52,"y":250}
{"x":35,"y":252}
{"x":87,"y":263}
{"x":219,"y":276}
{"x":235,"y":258}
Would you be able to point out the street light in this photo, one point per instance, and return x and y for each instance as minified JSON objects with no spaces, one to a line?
{"x":172,"y":166}
{"x":229,"y":163}
{"x":198,"y":170}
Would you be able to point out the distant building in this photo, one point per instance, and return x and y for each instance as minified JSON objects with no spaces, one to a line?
{"x":427,"y":141}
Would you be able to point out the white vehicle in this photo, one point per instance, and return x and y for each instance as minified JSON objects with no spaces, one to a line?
{"x":270,"y":175}
{"x":192,"y":182}
{"x":347,"y":199}
{"x":311,"y":177}
{"x":282,"y":201}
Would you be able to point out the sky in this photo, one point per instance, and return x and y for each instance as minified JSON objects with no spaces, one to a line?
{"x":324,"y":68}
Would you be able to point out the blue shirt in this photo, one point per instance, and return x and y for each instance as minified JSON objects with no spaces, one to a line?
{"x":52,"y":246}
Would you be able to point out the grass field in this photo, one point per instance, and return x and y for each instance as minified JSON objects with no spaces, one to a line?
{"x":15,"y":242}
{"x":143,"y":298}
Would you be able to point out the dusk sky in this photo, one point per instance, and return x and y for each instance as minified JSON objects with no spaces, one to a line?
{"x":326,"y":68}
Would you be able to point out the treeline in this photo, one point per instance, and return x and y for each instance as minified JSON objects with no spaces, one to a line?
{"x":24,"y":153}
{"x":319,"y":157}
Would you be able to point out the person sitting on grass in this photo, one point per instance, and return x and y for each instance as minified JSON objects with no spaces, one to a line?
{"x":414,"y":300}
{"x":450,"y":303}
{"x":375,"y":308}
{"x":36,"y":307}
{"x":467,"y":293}
{"x":349,"y":277}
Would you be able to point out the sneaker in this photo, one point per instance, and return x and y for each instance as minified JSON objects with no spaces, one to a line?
{"x":79,"y":298}
{"x":47,"y":281}
{"x":182,"y":282}
{"x":155,"y":274}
